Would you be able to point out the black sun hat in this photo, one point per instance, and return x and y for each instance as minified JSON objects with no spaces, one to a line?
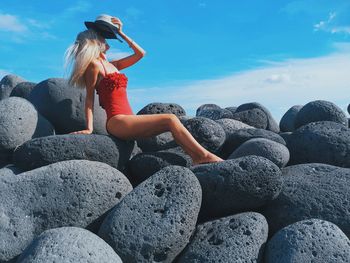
{"x":104,"y":26}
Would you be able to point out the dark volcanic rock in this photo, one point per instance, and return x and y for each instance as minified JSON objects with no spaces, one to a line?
{"x":159,"y":107}
{"x":237,"y":238}
{"x":207,"y":132}
{"x":274,"y":151}
{"x":349,"y":108}
{"x":64,"y":106}
{"x":154,"y":222}
{"x":23,"y":89}
{"x":232,"y":109}
{"x":253,"y":117}
{"x":235,"y":138}
{"x":7,"y":84}
{"x":237,"y":185}
{"x":320,"y":142}
{"x":69,"y":244}
{"x":230,"y":125}
{"x":287,"y":123}
{"x":159,"y":142}
{"x":215,"y":114}
{"x":310,"y":240}
{"x":51,"y":149}
{"x":271,"y":123}
{"x":320,"y":110}
{"x":207,"y":106}
{"x":10,"y":169}
{"x":311,"y":191}
{"x":69,"y":193}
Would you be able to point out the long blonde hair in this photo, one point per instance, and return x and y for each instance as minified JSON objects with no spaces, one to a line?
{"x":87,"y":46}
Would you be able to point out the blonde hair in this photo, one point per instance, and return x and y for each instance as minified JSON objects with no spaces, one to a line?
{"x":87,"y":47}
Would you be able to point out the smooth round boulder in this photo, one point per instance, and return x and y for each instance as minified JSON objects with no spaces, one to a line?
{"x":287,"y":121}
{"x":7,"y":84}
{"x":69,"y":193}
{"x":207,"y":106}
{"x":311,"y":240}
{"x":320,"y":110}
{"x":237,"y":238}
{"x":237,"y":185}
{"x":159,"y":107}
{"x":68,"y":244}
{"x":51,"y":149}
{"x":320,"y":142}
{"x":274,"y":151}
{"x":155,"y":221}
{"x":215,"y":114}
{"x":23,"y":89}
{"x":311,"y":191}
{"x":253,"y":117}
{"x":207,"y":132}
{"x":64,"y":106}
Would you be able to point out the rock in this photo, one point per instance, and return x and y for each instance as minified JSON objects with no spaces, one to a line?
{"x":23,"y":89}
{"x":154,"y":222}
{"x":320,"y":110}
{"x":207,"y":132}
{"x":236,"y":138}
{"x":207,"y":106}
{"x":19,"y":122}
{"x":232,"y":109}
{"x":159,"y":107}
{"x":349,"y":108}
{"x":51,"y":149}
{"x":64,"y":106}
{"x":231,"y":125}
{"x":287,"y":123}
{"x":311,"y":191}
{"x":271,"y":123}
{"x":274,"y":151}
{"x":253,"y":117}
{"x":70,"y":193}
{"x":144,"y":165}
{"x":310,"y":240}
{"x":237,"y":238}
{"x":320,"y":142}
{"x":215,"y":114}
{"x":68,"y":244}
{"x":159,"y":142}
{"x":7,"y":84}
{"x":237,"y":185}
{"x":10,"y":169}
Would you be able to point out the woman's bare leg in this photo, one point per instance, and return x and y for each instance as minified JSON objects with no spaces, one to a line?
{"x":131,"y":127}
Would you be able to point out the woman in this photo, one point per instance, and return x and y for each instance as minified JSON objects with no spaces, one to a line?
{"x":92,"y":71}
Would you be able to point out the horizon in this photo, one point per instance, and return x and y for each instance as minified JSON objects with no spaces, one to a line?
{"x":278,"y":54}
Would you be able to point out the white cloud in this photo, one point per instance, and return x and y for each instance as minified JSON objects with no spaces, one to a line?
{"x":11,"y":23}
{"x":331,"y":25}
{"x":277,"y":86}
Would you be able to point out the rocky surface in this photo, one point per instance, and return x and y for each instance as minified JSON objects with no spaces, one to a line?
{"x":159,"y":108}
{"x":7,"y":84}
{"x":287,"y":123}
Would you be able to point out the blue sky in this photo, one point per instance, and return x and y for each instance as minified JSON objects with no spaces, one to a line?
{"x":278,"y":53}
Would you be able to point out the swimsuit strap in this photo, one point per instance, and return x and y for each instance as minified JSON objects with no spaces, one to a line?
{"x":104,"y":68}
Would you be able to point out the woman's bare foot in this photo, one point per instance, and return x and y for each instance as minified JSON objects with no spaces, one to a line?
{"x":209,"y":158}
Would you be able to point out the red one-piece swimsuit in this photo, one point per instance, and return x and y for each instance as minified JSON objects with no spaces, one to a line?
{"x":112,"y":94}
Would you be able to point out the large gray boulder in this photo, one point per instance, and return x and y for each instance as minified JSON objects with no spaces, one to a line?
{"x":159,"y":142}
{"x":207,"y":106}
{"x":320,"y":142}
{"x":51,"y":149}
{"x":159,"y":107}
{"x":237,"y":238}
{"x":215,"y":114}
{"x":287,"y":123}
{"x":154,"y":222}
{"x":320,"y":110}
{"x":252,"y":117}
{"x":311,"y":191}
{"x":7,"y":84}
{"x":64,"y":106}
{"x":70,"y":193}
{"x":310,"y":240}
{"x":23,"y":89}
{"x":207,"y":132}
{"x":237,"y":185}
{"x":274,"y":151}
{"x":68,"y":244}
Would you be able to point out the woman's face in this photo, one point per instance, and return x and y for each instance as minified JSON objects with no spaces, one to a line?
{"x":105,"y":45}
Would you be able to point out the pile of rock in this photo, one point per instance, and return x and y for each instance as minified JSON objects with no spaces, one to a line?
{"x":281,"y":195}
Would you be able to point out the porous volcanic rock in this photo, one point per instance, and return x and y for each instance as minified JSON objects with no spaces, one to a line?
{"x":237,"y":238}
{"x":69,"y":193}
{"x":274,"y":151}
{"x":253,"y":117}
{"x":237,"y":185}
{"x":215,"y":114}
{"x":207,"y":106}
{"x":287,"y":123}
{"x":7,"y":84}
{"x":320,"y":110}
{"x":311,"y":191}
{"x":311,"y":240}
{"x":23,"y":89}
{"x":159,"y":142}
{"x":64,"y":106}
{"x":10,"y":169}
{"x":68,"y":244}
{"x":159,"y":107}
{"x":154,"y":222}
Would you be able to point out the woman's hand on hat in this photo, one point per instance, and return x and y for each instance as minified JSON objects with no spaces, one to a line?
{"x":117,"y":21}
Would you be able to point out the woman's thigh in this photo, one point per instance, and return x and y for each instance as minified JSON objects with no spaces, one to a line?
{"x":129,"y":127}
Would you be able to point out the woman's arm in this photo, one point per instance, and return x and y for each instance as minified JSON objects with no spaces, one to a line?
{"x":90,"y":75}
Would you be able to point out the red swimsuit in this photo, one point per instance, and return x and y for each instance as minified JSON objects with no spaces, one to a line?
{"x":112,"y":94}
